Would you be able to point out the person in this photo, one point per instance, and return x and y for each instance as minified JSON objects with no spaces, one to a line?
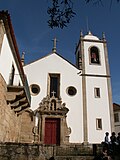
{"x":118,"y":146}
{"x":52,"y":158}
{"x":113,"y":143}
{"x":113,"y":138}
{"x":105,"y":155}
{"x":106,"y":142}
{"x":118,"y":138}
{"x":107,"y":138}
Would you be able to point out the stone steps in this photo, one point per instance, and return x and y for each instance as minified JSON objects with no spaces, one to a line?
{"x":30,"y":151}
{"x":74,"y":157}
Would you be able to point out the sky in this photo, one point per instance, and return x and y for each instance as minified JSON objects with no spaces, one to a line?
{"x":34,"y":36}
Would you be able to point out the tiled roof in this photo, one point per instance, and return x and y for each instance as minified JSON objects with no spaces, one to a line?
{"x":116,"y":107}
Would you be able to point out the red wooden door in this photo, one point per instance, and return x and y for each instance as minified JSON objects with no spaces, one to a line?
{"x":52,"y":131}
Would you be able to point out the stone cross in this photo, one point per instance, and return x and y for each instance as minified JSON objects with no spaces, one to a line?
{"x":54,"y":45}
{"x":53,"y":93}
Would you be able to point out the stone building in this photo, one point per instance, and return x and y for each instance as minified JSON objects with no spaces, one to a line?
{"x":116,"y":108}
{"x":59,"y":102}
{"x":72,"y":102}
{"x":14,"y":91}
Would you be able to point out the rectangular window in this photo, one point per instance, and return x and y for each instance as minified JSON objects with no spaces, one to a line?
{"x":97,"y":92}
{"x":116,"y":117}
{"x":54,"y":85}
{"x":99,"y":124}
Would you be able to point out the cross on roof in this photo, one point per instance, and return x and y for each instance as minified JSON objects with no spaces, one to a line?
{"x":54,"y":45}
{"x":53,"y":93}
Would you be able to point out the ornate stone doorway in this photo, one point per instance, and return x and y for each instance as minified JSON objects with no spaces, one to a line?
{"x":52,"y":126}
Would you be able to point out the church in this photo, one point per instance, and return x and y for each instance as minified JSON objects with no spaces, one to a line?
{"x":73,"y":103}
{"x":64,"y":102}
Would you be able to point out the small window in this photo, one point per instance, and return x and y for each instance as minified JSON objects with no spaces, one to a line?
{"x":12,"y":74}
{"x":71,"y":91}
{"x":98,"y":123}
{"x":54,"y":85}
{"x":97,"y":92}
{"x":116,"y":117}
{"x":94,"y":55}
{"x":34,"y":89}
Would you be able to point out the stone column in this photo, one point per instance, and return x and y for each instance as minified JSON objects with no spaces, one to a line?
{"x":85,"y":125}
{"x":42,"y":128}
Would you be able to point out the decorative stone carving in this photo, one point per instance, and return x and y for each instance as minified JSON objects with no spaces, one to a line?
{"x":17,"y":99}
{"x":52,"y":107}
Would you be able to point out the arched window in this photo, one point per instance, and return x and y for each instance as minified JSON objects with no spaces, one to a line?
{"x":94,"y":55}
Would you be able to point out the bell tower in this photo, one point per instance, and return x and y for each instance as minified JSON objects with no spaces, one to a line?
{"x":92,"y":59}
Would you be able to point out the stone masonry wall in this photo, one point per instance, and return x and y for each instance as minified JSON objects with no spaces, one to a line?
{"x":27,"y":126}
{"x":9,"y":122}
{"x":32,"y":151}
{"x":13,"y":127}
{"x":19,"y":151}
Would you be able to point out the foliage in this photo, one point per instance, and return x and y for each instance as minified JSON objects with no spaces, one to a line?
{"x":61,"y":11}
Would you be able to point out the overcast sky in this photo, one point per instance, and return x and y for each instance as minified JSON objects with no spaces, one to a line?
{"x":34,"y":37}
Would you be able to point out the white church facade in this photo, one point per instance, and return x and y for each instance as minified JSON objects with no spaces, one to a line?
{"x":52,"y":101}
{"x":72,"y":103}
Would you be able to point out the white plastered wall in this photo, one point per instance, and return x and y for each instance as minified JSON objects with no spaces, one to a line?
{"x":6,"y":61}
{"x":94,"y":69}
{"x":97,"y":108}
{"x":37,"y":73}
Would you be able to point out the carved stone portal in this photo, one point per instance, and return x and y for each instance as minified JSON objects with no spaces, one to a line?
{"x":52,"y":108}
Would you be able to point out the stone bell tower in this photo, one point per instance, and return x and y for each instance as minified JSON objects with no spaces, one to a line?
{"x":92,"y":60}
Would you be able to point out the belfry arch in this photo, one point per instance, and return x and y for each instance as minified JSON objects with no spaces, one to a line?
{"x":94,"y":55}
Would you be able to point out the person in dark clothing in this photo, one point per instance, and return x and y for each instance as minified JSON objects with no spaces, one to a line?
{"x":104,"y":155}
{"x":114,"y":144}
{"x":118,"y":138}
{"x":107,"y":141}
{"x":52,"y":158}
{"x":113,"y":138}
